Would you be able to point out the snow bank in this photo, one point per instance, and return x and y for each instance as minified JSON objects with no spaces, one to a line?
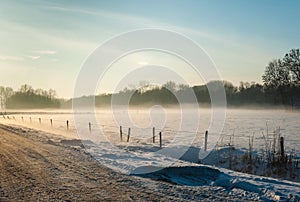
{"x":265,"y":188}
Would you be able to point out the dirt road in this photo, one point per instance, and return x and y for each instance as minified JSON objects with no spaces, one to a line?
{"x":34,"y":168}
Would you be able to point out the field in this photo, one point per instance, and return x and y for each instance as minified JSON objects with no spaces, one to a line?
{"x":140,"y":155}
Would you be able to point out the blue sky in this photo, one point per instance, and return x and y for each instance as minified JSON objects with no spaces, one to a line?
{"x":44,"y":43}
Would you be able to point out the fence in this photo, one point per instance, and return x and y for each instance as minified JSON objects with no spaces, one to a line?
{"x":155,"y":133}
{"x":124,"y":137}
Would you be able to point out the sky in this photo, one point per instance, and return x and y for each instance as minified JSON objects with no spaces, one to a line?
{"x":45,"y":43}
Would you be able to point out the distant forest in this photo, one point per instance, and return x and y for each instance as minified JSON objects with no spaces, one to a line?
{"x":281,"y":86}
{"x":245,"y":94}
{"x":28,"y":98}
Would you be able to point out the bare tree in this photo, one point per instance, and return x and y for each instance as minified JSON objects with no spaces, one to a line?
{"x":277,"y":77}
{"x":143,"y":86}
{"x":171,"y":86}
{"x":39,"y":91}
{"x":2,"y":97}
{"x":292,"y":62}
{"x":26,"y":88}
{"x":51,"y":93}
{"x":5,"y":93}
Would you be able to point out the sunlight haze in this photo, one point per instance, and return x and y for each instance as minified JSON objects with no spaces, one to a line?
{"x":45,"y":43}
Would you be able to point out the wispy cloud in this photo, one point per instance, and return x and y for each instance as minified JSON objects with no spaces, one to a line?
{"x":34,"y":57}
{"x":123,"y":17}
{"x":139,"y":21}
{"x":45,"y":52}
{"x":11,"y":58}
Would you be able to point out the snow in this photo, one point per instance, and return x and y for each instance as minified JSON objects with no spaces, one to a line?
{"x":164,"y":168}
{"x":142,"y":158}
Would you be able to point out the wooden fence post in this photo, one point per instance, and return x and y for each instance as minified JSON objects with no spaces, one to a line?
{"x":51,"y":123}
{"x":121,"y":133}
{"x":22,"y":118}
{"x":90,"y":127}
{"x":205,"y":140}
{"x":282,"y":148}
{"x":67,"y":124}
{"x":160,"y":140}
{"x":153,"y":131}
{"x":128,"y":135}
{"x":40,"y":120}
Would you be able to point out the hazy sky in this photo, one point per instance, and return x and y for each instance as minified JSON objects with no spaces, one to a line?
{"x":44,"y":43}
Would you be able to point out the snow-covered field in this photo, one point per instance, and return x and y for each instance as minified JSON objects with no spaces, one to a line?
{"x":141,"y":157}
{"x":239,"y":125}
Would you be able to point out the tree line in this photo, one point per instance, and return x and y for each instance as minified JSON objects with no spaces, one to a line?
{"x":245,"y":94}
{"x":28,"y":98}
{"x":281,"y":86}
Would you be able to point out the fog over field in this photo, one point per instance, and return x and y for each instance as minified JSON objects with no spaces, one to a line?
{"x":239,"y":123}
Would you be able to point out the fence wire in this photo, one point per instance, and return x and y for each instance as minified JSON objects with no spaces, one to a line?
{"x":90,"y":126}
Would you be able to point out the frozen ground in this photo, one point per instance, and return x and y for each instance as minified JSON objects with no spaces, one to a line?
{"x":190,"y":174}
{"x":140,"y":156}
{"x":37,"y":166}
{"x":183,"y":180}
{"x":238,"y":126}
